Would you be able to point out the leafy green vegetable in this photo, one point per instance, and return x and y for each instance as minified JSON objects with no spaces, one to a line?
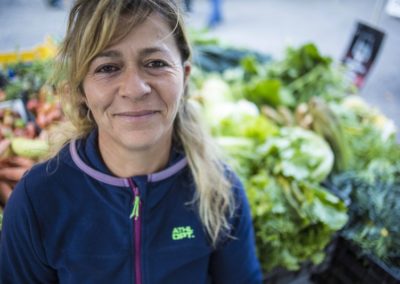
{"x":268,"y":91}
{"x":298,"y":153}
{"x":374,"y":208}
{"x":239,"y":121}
{"x":239,"y":154}
{"x":300,"y":61}
{"x":370,"y":134}
{"x":211,"y":55}
{"x":294,"y":220}
{"x":302,"y":74}
{"x":26,"y":77}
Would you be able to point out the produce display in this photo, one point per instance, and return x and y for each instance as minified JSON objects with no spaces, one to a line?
{"x":308,"y":149}
{"x":28,"y":109}
{"x":260,"y":119}
{"x":315,"y":159}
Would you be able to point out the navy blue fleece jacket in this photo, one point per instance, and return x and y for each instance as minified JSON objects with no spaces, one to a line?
{"x":70,"y":221}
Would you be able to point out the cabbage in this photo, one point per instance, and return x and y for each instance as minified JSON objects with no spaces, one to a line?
{"x":299,"y":154}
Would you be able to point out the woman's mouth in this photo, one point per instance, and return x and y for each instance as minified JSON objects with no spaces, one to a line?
{"x":138,"y":114}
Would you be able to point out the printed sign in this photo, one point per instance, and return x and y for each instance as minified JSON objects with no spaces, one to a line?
{"x":362,"y":52}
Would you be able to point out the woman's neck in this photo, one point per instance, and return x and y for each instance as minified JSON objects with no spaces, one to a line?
{"x":127,"y":163}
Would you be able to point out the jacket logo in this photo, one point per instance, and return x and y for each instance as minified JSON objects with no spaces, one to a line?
{"x":180,"y":233}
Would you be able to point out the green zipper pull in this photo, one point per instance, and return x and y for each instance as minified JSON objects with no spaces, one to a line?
{"x":135,"y":209}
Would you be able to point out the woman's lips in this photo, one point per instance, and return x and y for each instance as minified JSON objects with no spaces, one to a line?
{"x":144,"y":116}
{"x":136,"y":113}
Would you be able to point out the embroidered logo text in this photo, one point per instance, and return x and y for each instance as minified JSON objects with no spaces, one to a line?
{"x":179,"y":233}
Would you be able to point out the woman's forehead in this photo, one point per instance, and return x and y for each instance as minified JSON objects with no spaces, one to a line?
{"x":154,"y":25}
{"x":154,"y":31}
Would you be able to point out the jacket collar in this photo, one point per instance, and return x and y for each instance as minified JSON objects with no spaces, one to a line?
{"x":86,"y":156}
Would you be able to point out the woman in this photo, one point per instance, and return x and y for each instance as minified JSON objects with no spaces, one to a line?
{"x":137,"y":194}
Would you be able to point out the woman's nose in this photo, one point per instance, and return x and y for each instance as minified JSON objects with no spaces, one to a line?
{"x":133,"y":84}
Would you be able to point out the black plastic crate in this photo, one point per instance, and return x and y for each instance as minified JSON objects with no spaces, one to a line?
{"x":349,"y":266}
{"x":283,"y":276}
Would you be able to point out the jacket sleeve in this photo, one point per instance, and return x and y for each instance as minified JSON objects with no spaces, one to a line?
{"x":22,"y":257}
{"x":235,"y":261}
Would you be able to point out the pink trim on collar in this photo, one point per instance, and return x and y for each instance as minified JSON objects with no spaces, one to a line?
{"x":155,"y":177}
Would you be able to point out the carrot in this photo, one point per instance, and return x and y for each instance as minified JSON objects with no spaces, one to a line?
{"x":2,"y":95}
{"x":46,"y":108}
{"x":12,"y":174}
{"x":54,"y":114}
{"x":32,"y":105}
{"x":41,"y":120}
{"x":30,"y":130}
{"x":17,"y":161}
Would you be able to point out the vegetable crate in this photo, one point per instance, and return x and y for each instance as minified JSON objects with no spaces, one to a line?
{"x":283,"y":276}
{"x":348,"y":266}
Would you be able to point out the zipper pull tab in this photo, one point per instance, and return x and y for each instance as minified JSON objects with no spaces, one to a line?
{"x":135,"y":209}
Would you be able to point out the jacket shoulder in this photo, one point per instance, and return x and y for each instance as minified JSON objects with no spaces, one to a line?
{"x":54,"y":170}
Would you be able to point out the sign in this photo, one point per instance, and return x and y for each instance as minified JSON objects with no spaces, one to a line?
{"x":362,"y":52}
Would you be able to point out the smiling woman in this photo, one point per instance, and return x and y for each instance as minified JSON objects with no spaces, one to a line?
{"x":133,"y":90}
{"x":137,"y":192}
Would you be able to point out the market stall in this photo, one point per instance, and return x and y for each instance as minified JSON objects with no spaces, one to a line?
{"x":320,"y":165}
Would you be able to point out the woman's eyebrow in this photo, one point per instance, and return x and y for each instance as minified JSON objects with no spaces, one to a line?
{"x":144,"y":52}
{"x":152,"y":50}
{"x":109,"y":53}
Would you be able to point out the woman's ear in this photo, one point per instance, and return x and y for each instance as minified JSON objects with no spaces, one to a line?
{"x":187,"y":68}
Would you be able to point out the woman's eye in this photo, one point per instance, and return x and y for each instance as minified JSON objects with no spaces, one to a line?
{"x":107,"y":69}
{"x":157,"y":64}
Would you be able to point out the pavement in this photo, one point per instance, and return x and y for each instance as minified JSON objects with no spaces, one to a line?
{"x":268,"y":26}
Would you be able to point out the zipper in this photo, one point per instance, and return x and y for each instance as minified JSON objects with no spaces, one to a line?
{"x":135,"y":216}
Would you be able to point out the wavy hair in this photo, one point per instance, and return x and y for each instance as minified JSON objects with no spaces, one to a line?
{"x":96,"y":24}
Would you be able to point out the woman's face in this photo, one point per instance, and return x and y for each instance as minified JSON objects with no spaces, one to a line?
{"x":134,"y":88}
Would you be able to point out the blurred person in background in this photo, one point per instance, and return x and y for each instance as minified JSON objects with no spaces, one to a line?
{"x":215,"y":17}
{"x":55,"y":3}
{"x":136,"y":192}
{"x":188,"y":5}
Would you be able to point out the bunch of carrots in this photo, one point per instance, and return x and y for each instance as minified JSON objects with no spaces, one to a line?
{"x":46,"y":111}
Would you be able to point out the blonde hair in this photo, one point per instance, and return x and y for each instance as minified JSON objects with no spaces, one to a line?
{"x":92,"y":27}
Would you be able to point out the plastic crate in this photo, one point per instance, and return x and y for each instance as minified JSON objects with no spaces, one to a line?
{"x":349,"y":266}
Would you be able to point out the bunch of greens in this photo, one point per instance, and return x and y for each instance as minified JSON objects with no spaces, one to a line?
{"x":298,"y":154}
{"x":371,"y":136}
{"x":302,"y":74}
{"x":294,"y":217}
{"x":210,"y":55}
{"x":374,"y":208}
{"x":26,"y":77}
{"x":293,"y":220}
